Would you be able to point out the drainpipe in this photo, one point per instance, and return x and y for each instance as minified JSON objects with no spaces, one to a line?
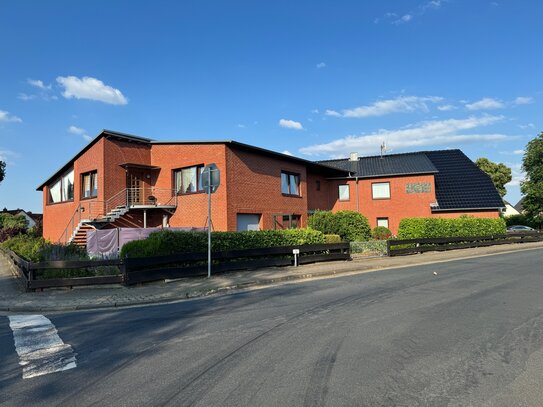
{"x":357,"y":207}
{"x":145,"y":218}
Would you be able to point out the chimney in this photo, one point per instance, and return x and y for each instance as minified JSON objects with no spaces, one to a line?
{"x":353,"y":157}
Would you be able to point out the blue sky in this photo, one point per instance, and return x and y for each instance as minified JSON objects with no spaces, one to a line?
{"x":317,"y":79}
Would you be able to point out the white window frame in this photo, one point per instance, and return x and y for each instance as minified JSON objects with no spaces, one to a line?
{"x":344,"y":192}
{"x":382,"y":222}
{"x":380,"y":190}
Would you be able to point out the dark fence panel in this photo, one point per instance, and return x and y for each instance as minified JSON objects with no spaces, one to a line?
{"x":452,"y":243}
{"x":139,"y":270}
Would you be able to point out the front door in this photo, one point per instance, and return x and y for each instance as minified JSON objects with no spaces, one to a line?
{"x":134,"y":185}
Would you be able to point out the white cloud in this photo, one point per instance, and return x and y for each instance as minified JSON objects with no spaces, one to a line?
{"x":286,"y":152}
{"x":516,"y":173}
{"x":523,"y":100}
{"x":79,"y":132}
{"x":321,"y":65}
{"x":241,"y":126}
{"x":446,"y":108}
{"x":7,"y":117}
{"x":383,"y":107}
{"x":38,"y":84}
{"x":25,"y":97}
{"x":518,"y":152}
{"x":90,"y":88}
{"x":428,"y":133}
{"x":485,"y":104}
{"x":527,"y":126}
{"x":7,"y":156}
{"x":403,"y":19}
{"x":420,"y":10}
{"x":290,"y":124}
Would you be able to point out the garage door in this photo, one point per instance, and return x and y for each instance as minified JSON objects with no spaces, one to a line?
{"x":248,"y":221}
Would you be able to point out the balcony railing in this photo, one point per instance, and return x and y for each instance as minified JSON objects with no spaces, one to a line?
{"x":95,"y":210}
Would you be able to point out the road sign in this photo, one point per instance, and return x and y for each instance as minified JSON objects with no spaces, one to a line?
{"x":211,"y":177}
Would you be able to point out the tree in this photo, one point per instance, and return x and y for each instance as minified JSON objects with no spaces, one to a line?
{"x":532,"y":186}
{"x":2,"y":171}
{"x":500,"y":174}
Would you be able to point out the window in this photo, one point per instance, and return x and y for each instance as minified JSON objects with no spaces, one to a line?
{"x":89,"y":185}
{"x":62,"y":189}
{"x":344,"y":192}
{"x":189,"y":180}
{"x":286,"y":221}
{"x":290,"y":183}
{"x":380,"y":190}
{"x":382,"y":222}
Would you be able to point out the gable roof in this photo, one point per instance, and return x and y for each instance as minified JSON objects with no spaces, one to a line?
{"x":387,"y":165}
{"x":323,"y":168}
{"x":459,"y":183}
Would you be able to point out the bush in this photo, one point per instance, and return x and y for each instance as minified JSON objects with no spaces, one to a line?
{"x":370,"y":248}
{"x":165,"y":243}
{"x":381,"y":233}
{"x":36,"y":249}
{"x":349,"y":225}
{"x":332,"y":239}
{"x":414,"y":228}
{"x":536,"y":223}
{"x":8,"y":233}
{"x":8,"y":221}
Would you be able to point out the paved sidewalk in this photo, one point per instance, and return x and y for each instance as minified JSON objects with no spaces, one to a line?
{"x":14,"y":299}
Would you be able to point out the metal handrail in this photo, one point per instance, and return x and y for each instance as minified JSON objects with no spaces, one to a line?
{"x":128,"y":197}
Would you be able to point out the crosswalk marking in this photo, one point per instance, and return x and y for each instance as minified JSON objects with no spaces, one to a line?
{"x":40,"y":349}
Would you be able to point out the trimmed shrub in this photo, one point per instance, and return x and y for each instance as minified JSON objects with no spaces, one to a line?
{"x":414,"y":228}
{"x":165,"y":243}
{"x":349,"y":225}
{"x":381,"y":233}
{"x":332,"y":239}
{"x":36,"y":249}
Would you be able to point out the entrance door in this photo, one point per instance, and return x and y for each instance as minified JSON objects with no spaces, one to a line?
{"x":248,"y":221}
{"x":134,"y":185}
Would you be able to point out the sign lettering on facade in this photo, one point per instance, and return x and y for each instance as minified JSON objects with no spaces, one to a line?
{"x":418,"y":187}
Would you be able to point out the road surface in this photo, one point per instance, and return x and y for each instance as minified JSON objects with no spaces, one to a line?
{"x":470,"y":335}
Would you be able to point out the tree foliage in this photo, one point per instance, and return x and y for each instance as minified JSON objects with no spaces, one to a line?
{"x":532,"y":186}
{"x":2,"y":171}
{"x":500,"y":174}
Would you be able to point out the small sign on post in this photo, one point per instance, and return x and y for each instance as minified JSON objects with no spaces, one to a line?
{"x":211,"y":179}
{"x":296,"y":253}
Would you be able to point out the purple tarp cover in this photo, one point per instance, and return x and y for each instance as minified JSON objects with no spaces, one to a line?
{"x":107,"y":242}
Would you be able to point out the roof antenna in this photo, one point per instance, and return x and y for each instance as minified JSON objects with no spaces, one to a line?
{"x":383,"y":148}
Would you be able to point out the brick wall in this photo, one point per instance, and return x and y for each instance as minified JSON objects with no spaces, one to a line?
{"x":254,"y":187}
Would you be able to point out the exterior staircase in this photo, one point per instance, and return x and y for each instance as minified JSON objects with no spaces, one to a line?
{"x":79,"y":235}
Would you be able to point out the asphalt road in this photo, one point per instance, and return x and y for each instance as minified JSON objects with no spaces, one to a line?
{"x":472,"y":335}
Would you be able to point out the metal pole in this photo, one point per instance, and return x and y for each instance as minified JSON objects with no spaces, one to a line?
{"x":209,"y":224}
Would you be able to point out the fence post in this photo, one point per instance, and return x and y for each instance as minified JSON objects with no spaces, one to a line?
{"x":123,"y":270}
{"x":388,"y":248}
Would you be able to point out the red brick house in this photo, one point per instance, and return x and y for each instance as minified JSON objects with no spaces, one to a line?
{"x":120,"y":180}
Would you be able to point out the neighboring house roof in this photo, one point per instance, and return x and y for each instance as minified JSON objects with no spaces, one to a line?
{"x":328,"y":170}
{"x":386,"y":165}
{"x":460,"y":184}
{"x":520,"y":205}
{"x":509,"y":209}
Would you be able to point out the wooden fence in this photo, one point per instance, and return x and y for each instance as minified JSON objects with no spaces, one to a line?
{"x":139,"y":270}
{"x":412,"y":246}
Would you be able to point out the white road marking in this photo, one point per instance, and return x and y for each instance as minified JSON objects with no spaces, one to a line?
{"x":40,"y":349}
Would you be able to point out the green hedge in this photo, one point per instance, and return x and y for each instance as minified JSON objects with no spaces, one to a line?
{"x":164,"y":243}
{"x":414,"y":228}
{"x":36,"y":249}
{"x":349,"y":225}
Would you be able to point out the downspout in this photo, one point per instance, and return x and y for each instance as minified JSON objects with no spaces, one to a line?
{"x":357,"y":207}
